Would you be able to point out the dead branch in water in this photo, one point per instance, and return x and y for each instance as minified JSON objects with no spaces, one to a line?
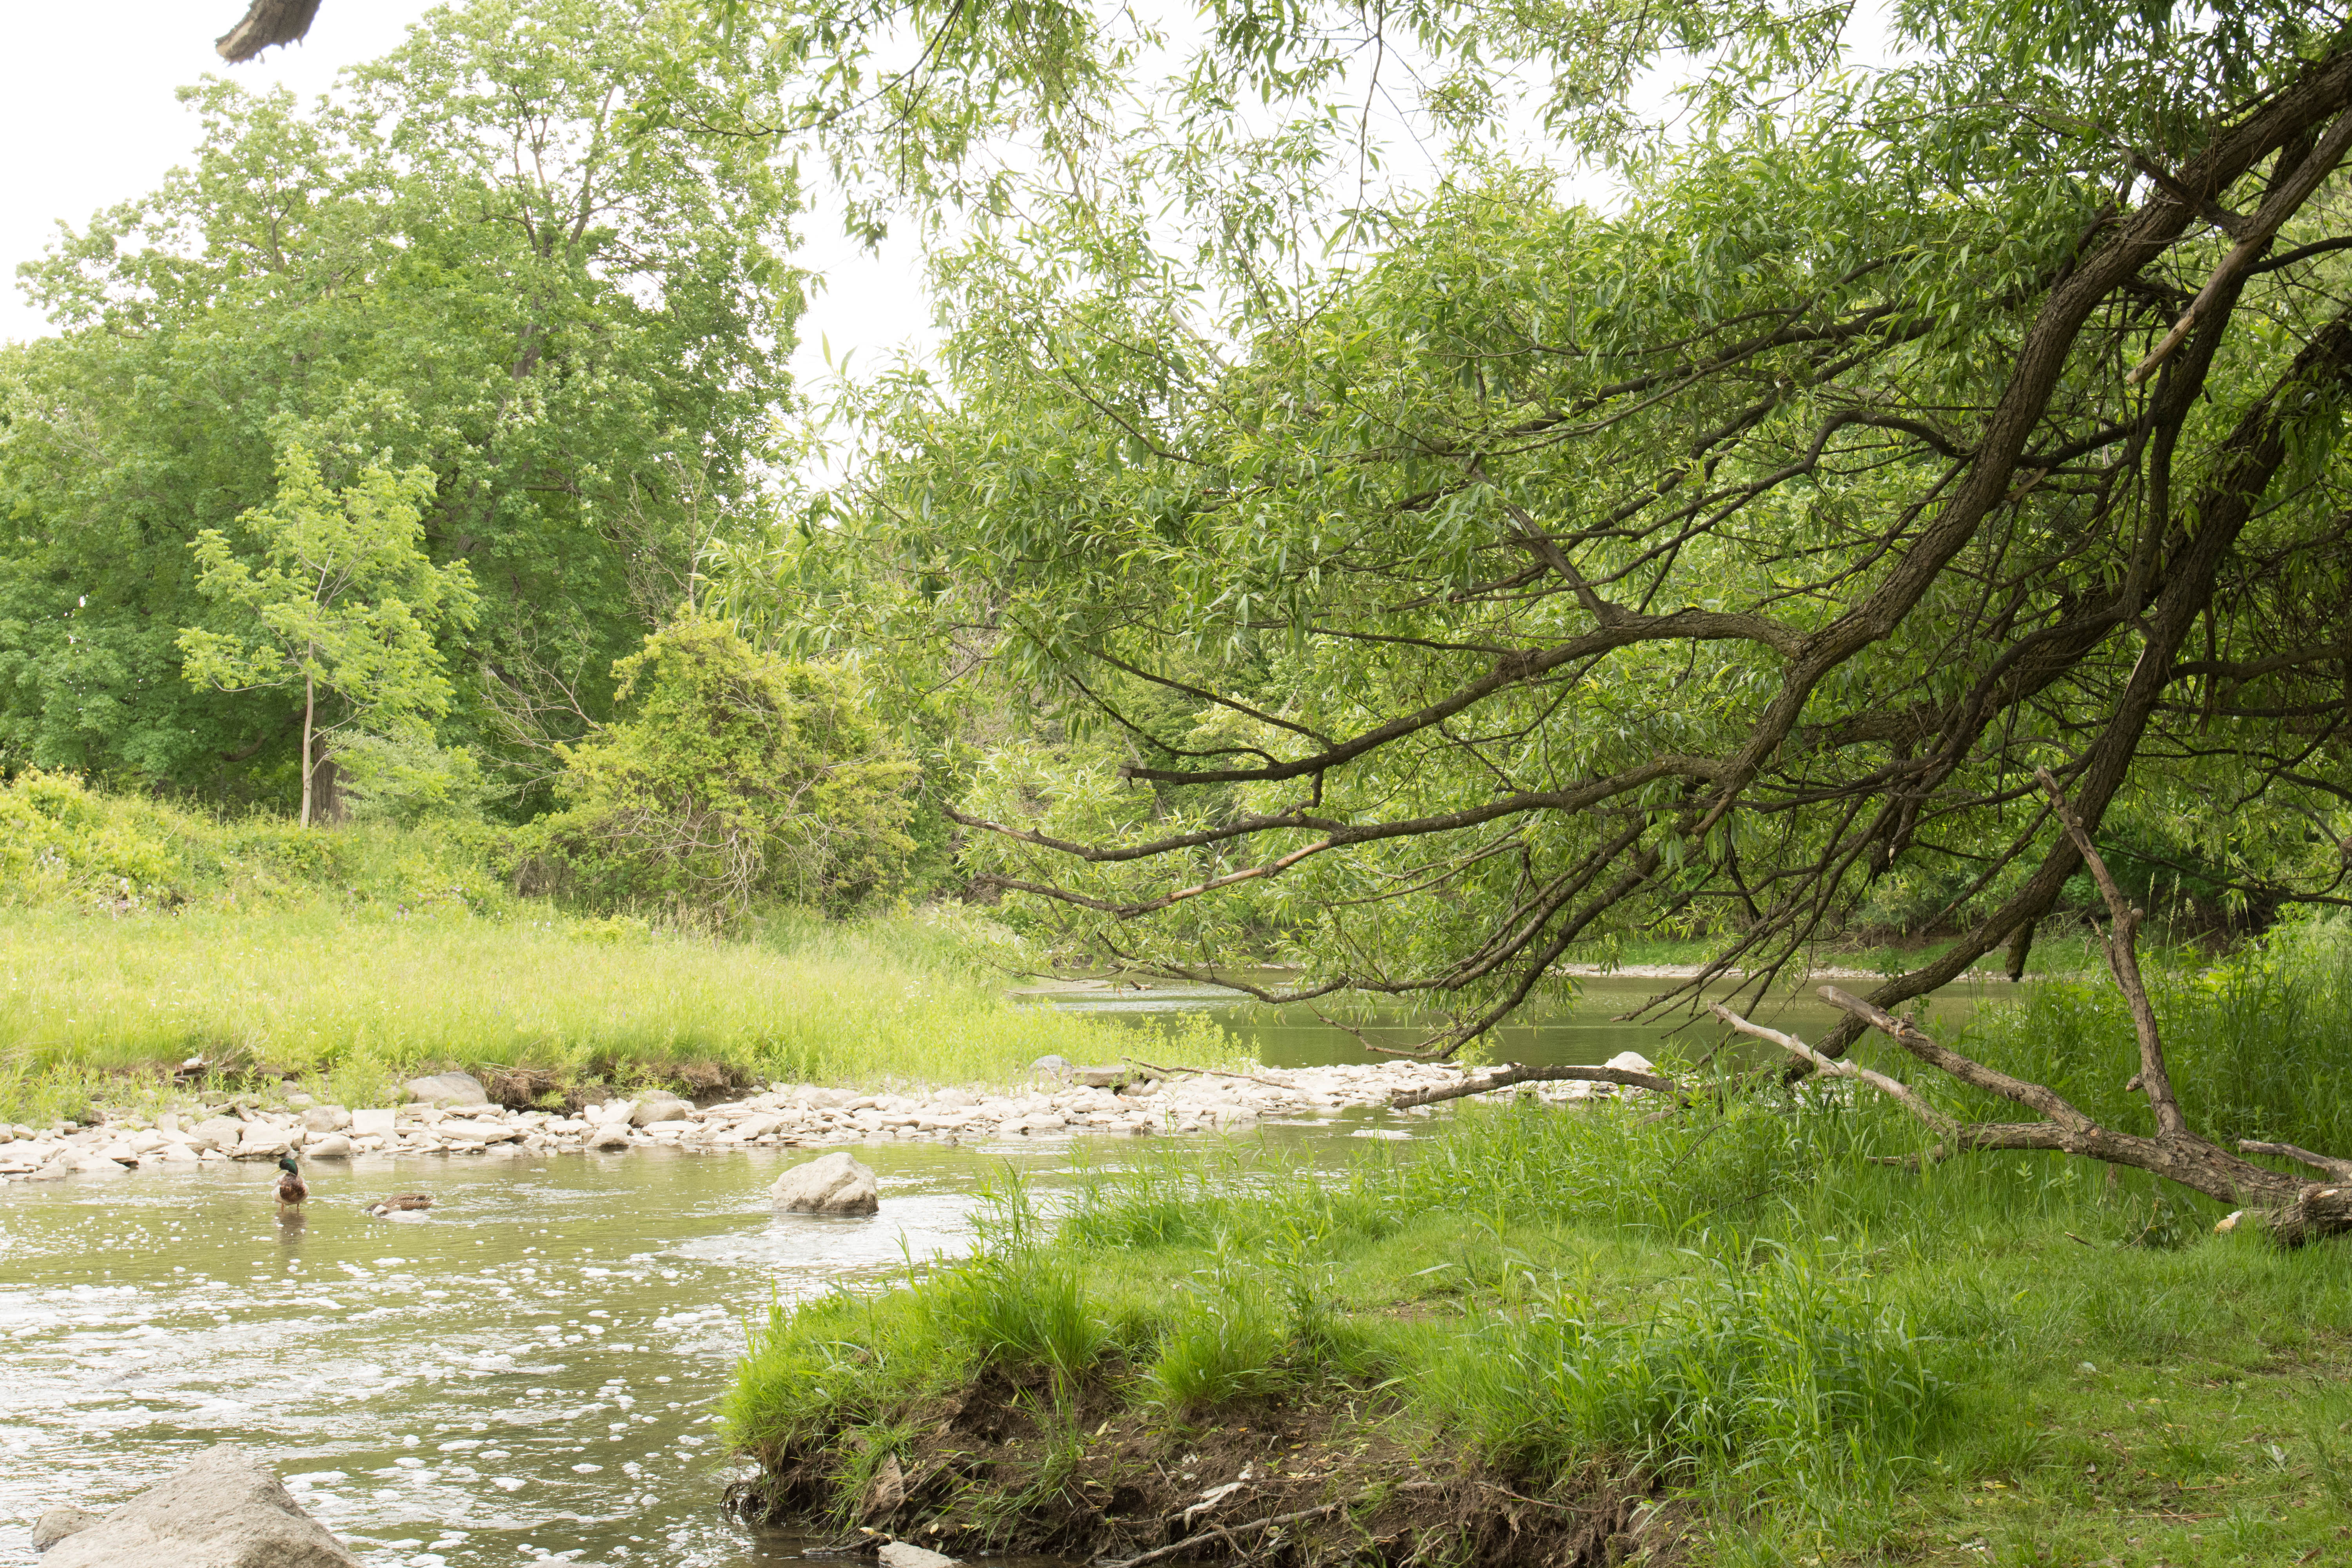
{"x":1504,"y":1078}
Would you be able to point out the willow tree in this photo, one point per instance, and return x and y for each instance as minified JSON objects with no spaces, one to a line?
{"x":1549,"y":570}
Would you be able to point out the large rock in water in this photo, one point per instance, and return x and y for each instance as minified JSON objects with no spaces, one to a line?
{"x":830,"y":1183}
{"x":226,"y":1509}
{"x":447,"y":1089}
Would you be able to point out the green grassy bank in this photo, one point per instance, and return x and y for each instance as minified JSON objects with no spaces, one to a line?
{"x":1726,"y":1336}
{"x":134,"y":936}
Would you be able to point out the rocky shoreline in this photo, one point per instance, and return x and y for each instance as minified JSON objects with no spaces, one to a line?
{"x":452,"y":1114}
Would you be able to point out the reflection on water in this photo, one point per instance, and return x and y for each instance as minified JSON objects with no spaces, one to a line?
{"x":1588,"y":1030}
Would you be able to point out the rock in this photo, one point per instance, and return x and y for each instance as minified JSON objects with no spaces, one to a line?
{"x":120,"y":1153}
{"x":1112,"y":1078}
{"x":611,"y":1135}
{"x":1630,"y":1061}
{"x":59,"y":1522}
{"x":447,"y":1089}
{"x":758,"y":1126}
{"x":326,"y":1118}
{"x":660,"y":1106}
{"x":260,"y":1143}
{"x":1057,"y":1067}
{"x":906,"y":1554}
{"x":373,"y":1123}
{"x":217,"y":1133}
{"x":475,"y":1132}
{"x":224,"y":1510}
{"x":830,"y":1183}
{"x":334,"y":1146}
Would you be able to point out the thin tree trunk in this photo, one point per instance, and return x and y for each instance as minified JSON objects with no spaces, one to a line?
{"x":310,"y":712}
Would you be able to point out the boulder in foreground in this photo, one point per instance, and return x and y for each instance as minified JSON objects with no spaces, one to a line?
{"x":830,"y":1183}
{"x":906,"y":1554}
{"x":226,"y":1510}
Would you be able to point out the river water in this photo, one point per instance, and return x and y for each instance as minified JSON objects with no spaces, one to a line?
{"x":529,"y":1369}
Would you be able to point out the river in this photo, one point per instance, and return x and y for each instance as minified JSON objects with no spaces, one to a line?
{"x":526,"y":1371}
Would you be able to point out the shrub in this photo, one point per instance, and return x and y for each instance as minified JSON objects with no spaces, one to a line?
{"x":740,"y":776}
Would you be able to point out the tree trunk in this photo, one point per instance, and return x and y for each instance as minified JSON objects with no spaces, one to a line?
{"x":309,"y":714}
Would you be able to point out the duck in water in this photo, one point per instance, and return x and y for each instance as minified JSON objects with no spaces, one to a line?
{"x":407,"y":1203}
{"x":291,"y":1188}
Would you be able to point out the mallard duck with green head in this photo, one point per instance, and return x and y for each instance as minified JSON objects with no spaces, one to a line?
{"x":291,"y":1188}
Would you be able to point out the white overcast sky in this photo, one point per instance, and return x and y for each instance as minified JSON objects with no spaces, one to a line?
{"x":88,"y":113}
{"x":90,"y":126}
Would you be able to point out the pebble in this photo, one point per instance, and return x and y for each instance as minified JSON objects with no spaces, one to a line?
{"x":785,"y":1115}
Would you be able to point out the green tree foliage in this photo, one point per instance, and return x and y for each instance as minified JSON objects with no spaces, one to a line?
{"x":479,"y":256}
{"x":1704,"y":564}
{"x":738,"y":776}
{"x":342,"y":604}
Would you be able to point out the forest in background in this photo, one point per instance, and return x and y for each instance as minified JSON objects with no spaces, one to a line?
{"x":1417,"y":592}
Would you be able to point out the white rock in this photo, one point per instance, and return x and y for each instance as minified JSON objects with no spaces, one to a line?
{"x":660,"y":1106}
{"x":223,"y":1511}
{"x":334,"y":1146}
{"x":217,"y":1133}
{"x":376,"y":1123}
{"x":612,"y":1135}
{"x":326,"y":1118}
{"x":261,"y":1141}
{"x":1630,"y":1061}
{"x":830,"y":1184}
{"x":906,"y":1554}
{"x":447,"y":1089}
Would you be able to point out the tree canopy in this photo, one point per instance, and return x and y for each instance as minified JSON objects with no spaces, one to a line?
{"x":477,"y":258}
{"x":1725,"y":560}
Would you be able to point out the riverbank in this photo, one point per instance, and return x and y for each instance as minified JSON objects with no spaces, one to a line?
{"x":346,"y":1004}
{"x":453,"y":1114}
{"x":1735,"y":1333}
{"x":1566,"y":1338}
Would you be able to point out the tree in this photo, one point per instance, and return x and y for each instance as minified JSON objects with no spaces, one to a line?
{"x":1545,"y":573}
{"x":481,"y":256}
{"x":738,"y":776}
{"x":343,"y":603}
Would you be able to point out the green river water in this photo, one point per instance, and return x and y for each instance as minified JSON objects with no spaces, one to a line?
{"x":528,"y":1371}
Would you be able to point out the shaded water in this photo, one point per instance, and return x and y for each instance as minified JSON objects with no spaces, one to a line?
{"x":529,"y":1369}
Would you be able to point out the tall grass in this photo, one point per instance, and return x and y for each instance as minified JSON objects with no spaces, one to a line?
{"x":2255,"y":1044}
{"x":351,"y":997}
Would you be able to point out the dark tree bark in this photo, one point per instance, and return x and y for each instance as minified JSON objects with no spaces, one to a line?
{"x":265,"y":23}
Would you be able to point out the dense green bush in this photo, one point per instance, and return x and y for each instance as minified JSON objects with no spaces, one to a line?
{"x":739,"y":777}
